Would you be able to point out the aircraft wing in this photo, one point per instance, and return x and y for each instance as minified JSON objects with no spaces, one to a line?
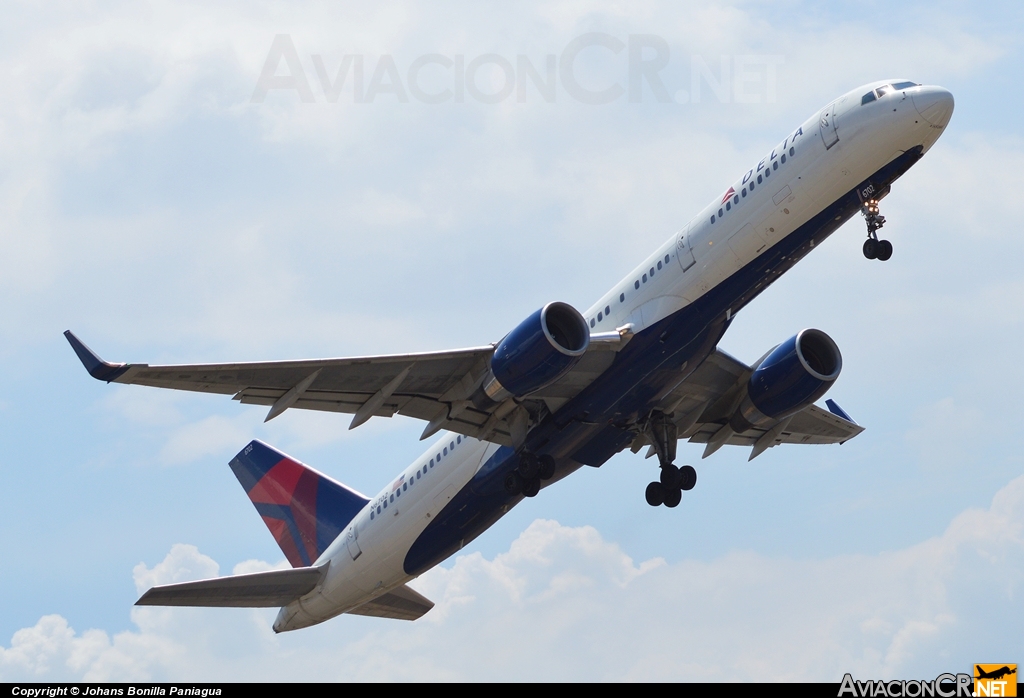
{"x":258,"y":590}
{"x":432,"y":386}
{"x":401,"y":603}
{"x":704,"y":402}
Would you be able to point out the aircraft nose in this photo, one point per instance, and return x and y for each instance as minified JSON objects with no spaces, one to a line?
{"x":934,"y":104}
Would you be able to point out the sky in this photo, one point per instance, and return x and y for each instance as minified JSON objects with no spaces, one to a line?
{"x":170,"y":200}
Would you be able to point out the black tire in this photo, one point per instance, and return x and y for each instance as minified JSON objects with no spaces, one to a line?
{"x":884,"y":250}
{"x":547,"y":467}
{"x":528,"y":466}
{"x":870,"y":248}
{"x":655,"y":494}
{"x":513,"y":483}
{"x":673,"y":497}
{"x":531,"y":487}
{"x":669,"y":476}
{"x":687,"y":478}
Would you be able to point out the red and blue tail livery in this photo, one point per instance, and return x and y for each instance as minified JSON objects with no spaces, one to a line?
{"x":304,"y":509}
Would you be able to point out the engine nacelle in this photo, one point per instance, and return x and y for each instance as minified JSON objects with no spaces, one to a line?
{"x":537,"y":352}
{"x":791,"y":377}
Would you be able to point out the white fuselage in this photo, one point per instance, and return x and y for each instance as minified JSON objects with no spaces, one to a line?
{"x":820,"y":161}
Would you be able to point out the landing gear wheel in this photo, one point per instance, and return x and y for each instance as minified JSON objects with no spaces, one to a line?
{"x":547,"y":467}
{"x":531,"y":487}
{"x":884,"y":250}
{"x":655,"y":494}
{"x":528,"y":466}
{"x":673,"y":497}
{"x":669,"y":476}
{"x":871,"y":248}
{"x":513,"y":483}
{"x":687,"y":478}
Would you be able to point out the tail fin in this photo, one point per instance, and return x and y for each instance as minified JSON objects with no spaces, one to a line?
{"x":305,"y":510}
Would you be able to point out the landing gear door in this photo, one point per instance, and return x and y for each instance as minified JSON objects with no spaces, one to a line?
{"x":827,"y":126}
{"x":684,"y":253}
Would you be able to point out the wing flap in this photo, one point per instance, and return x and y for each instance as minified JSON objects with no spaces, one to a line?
{"x":258,"y":590}
{"x":401,"y":603}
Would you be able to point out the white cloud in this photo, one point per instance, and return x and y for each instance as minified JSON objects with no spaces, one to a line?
{"x":564,"y":603}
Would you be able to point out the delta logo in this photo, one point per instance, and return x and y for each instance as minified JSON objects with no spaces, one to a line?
{"x":728,"y":195}
{"x":995,"y":680}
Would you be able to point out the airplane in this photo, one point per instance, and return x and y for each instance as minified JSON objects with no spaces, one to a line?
{"x":995,"y":674}
{"x":566,"y":389}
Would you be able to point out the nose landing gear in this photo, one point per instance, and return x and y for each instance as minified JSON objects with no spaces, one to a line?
{"x":669,"y":488}
{"x":873,"y":247}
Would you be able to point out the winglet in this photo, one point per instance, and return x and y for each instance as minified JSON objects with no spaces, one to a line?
{"x":838,"y":411}
{"x":97,"y":367}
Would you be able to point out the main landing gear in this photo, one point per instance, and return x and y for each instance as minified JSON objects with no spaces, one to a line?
{"x":529,"y":473}
{"x":873,"y":247}
{"x":669,"y":488}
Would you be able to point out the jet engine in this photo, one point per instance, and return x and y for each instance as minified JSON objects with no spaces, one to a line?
{"x":537,"y":352}
{"x":791,"y":377}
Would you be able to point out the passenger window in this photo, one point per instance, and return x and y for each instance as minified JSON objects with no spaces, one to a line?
{"x":593,"y":322}
{"x":775,"y":165}
{"x":744,"y":192}
{"x":378,"y":508}
{"x":636,"y":284}
{"x":607,"y":311}
{"x":759,"y":179}
{"x":735,"y":199}
{"x":728,"y":206}
{"x":792,"y":152}
{"x":600,"y":317}
{"x":644,"y":277}
{"x":666,"y":259}
{"x":622,"y":298}
{"x":458,"y":439}
{"x":452,"y":445}
{"x":712,"y":219}
{"x":405,"y":486}
{"x":783,"y":158}
{"x":720,"y":213}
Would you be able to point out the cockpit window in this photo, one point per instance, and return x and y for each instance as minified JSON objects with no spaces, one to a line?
{"x":869,"y":97}
{"x":883,"y":90}
{"x":905,"y":85}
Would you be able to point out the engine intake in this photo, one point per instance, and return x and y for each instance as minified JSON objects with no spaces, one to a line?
{"x":791,"y":377}
{"x":537,"y":352}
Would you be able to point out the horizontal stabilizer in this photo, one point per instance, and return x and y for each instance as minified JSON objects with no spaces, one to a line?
{"x":402,"y":603}
{"x":259,"y":590}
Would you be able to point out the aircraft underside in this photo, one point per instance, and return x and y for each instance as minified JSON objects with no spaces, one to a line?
{"x":602,"y":420}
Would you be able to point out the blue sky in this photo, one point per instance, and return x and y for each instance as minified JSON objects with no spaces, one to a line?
{"x":149,"y":204}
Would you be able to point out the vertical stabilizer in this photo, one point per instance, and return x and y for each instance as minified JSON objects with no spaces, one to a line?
{"x":305,"y":510}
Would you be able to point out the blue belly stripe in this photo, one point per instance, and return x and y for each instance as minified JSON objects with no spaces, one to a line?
{"x":589,"y":428}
